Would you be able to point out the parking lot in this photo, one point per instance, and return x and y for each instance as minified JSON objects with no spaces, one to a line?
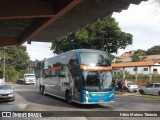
{"x":28,"y":98}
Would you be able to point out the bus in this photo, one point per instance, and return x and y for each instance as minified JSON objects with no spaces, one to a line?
{"x":83,"y":76}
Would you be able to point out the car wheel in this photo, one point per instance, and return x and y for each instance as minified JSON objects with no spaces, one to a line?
{"x":159,"y":93}
{"x":68,"y":97}
{"x":141,"y":91}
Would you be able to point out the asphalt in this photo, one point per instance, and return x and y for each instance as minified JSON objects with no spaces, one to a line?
{"x":22,"y":107}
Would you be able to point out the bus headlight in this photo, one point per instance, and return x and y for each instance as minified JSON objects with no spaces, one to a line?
{"x":111,"y":94}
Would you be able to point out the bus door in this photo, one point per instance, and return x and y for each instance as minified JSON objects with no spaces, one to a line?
{"x":76,"y":86}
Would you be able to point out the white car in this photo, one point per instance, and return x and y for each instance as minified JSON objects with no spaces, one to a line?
{"x":153,"y":88}
{"x":132,"y":87}
{"x":6,"y":92}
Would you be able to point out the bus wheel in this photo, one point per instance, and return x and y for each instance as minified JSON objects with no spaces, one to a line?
{"x":68,"y":97}
{"x":43,"y":91}
{"x":159,"y":93}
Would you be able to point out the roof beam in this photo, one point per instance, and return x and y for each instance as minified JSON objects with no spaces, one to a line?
{"x":6,"y":41}
{"x":41,"y":25}
{"x":13,"y":9}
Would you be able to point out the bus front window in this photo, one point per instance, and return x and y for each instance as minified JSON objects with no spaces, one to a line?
{"x":97,"y":80}
{"x":96,"y":59}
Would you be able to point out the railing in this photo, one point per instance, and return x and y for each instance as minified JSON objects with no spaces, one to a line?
{"x":144,"y":81}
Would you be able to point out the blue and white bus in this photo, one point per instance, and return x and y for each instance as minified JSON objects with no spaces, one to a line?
{"x":83,"y":76}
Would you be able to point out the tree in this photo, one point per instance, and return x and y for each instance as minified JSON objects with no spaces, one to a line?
{"x":104,"y":34}
{"x":16,"y":60}
{"x":139,"y":55}
{"x":153,"y":50}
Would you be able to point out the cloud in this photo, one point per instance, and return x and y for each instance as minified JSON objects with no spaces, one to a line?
{"x":39,"y":50}
{"x":143,"y":22}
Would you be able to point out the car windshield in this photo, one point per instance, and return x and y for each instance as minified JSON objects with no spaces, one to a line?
{"x":29,"y":76}
{"x":97,"y":80}
{"x":5,"y":87}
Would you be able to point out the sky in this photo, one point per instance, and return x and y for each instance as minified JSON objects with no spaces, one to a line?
{"x":142,"y":21}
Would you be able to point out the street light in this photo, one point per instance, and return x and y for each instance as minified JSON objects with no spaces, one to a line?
{"x":4,"y":67}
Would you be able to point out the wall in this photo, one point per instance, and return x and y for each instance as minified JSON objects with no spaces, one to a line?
{"x":140,"y":70}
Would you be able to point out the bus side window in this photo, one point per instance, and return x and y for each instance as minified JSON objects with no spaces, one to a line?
{"x":64,"y":75}
{"x":74,"y":70}
{"x":77,"y":77}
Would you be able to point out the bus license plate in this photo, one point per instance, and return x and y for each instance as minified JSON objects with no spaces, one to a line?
{"x":100,"y":100}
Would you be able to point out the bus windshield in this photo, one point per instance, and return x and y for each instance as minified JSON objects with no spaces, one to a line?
{"x":94,"y":58}
{"x":97,"y":80}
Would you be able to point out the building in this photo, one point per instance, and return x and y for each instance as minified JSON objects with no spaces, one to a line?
{"x":127,"y":57}
{"x":143,"y":67}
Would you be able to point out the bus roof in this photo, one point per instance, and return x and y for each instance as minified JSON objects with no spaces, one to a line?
{"x":78,"y":50}
{"x":89,"y":50}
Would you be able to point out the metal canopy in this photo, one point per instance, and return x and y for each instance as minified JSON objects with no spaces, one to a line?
{"x":46,"y":20}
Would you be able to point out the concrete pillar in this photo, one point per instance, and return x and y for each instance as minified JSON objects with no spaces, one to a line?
{"x":124,"y":76}
{"x":150,"y":74}
{"x":136,"y":74}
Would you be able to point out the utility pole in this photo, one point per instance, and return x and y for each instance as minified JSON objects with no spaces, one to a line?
{"x":4,"y":67}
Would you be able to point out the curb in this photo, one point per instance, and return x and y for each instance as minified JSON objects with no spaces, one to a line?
{"x":140,"y":96}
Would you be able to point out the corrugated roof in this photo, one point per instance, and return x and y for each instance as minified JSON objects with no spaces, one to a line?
{"x":47,"y":20}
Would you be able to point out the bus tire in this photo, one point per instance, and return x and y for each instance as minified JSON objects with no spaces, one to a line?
{"x":159,"y":93}
{"x":43,"y":90}
{"x":68,"y":97}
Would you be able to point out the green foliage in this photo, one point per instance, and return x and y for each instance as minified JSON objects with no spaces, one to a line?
{"x":155,"y":77}
{"x":140,"y":52}
{"x":130,"y":77}
{"x":118,"y":61}
{"x":142,"y":77}
{"x":153,"y":50}
{"x":16,"y":60}
{"x":135,"y":58}
{"x":139,"y":55}
{"x":17,"y":57}
{"x":104,"y":34}
{"x":112,"y":57}
{"x":120,"y":75}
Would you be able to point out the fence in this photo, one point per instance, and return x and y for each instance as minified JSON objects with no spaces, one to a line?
{"x":143,"y":80}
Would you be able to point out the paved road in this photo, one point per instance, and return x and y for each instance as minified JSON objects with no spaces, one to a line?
{"x":29,"y":99}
